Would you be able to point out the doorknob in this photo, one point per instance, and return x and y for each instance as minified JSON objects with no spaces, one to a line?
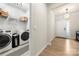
{"x":64,"y":28}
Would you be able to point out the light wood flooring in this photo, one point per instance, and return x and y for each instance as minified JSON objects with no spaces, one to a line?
{"x":62,"y":47}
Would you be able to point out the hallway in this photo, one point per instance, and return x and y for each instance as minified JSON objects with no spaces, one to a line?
{"x":62,"y":47}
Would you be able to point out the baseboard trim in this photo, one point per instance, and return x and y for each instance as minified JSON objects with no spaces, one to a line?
{"x":61,"y":37}
{"x":49,"y":43}
{"x":41,"y":50}
{"x":52,"y":39}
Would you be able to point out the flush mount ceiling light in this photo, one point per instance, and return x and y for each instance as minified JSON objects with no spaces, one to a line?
{"x":66,"y":16}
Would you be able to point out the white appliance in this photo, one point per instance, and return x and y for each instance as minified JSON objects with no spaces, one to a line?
{"x":24,"y":37}
{"x":5,"y":40}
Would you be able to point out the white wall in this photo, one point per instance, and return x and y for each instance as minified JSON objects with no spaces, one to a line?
{"x":13,"y":24}
{"x":13,"y":12}
{"x":74,"y":24}
{"x":51,"y":24}
{"x":38,"y":28}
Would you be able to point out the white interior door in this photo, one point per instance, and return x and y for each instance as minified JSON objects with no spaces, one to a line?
{"x":62,"y":27}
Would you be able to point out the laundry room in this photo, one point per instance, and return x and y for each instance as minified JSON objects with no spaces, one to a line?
{"x":14,"y":28}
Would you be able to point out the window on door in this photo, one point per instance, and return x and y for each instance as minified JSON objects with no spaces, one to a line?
{"x":68,"y":28}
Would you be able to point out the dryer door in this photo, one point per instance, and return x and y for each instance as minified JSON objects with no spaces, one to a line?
{"x":5,"y":40}
{"x":25,"y":36}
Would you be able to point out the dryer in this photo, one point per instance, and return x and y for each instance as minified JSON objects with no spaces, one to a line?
{"x":24,"y":37}
{"x":5,"y":40}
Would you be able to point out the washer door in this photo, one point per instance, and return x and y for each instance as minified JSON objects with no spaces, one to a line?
{"x":5,"y":40}
{"x":25,"y":36}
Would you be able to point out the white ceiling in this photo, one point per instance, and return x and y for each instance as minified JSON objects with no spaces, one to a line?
{"x":59,"y":8}
{"x":55,"y":5}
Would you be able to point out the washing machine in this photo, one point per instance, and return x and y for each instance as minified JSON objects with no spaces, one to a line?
{"x":5,"y":40}
{"x":24,"y":37}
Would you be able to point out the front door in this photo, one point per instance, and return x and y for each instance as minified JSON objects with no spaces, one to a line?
{"x":62,"y":27}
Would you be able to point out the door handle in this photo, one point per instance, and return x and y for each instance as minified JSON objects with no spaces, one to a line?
{"x":64,"y":28}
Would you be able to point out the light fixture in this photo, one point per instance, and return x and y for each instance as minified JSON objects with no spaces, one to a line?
{"x":66,"y":16}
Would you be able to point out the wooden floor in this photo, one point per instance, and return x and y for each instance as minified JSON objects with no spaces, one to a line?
{"x":62,"y":47}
